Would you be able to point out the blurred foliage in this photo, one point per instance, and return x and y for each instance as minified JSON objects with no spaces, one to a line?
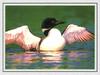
{"x":33,"y":16}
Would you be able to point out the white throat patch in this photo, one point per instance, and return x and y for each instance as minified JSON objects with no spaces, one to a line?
{"x":44,"y":29}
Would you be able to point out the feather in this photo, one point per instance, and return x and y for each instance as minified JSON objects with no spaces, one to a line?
{"x":22,"y":37}
{"x":74,"y":33}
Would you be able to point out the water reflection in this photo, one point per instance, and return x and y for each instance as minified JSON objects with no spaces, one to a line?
{"x":51,"y":59}
{"x":27,"y":57}
{"x":51,"y":56}
{"x":74,"y":55}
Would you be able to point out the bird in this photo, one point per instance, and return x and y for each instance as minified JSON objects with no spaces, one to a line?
{"x":53,"y":40}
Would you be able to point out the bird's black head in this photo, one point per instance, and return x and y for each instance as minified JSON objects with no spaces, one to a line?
{"x":49,"y":23}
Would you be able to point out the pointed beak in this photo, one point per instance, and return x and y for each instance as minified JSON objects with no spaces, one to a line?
{"x":60,"y":22}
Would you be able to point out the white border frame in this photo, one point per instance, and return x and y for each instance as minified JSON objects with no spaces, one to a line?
{"x":52,"y":4}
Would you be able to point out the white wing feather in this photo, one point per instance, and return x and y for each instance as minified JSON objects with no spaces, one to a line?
{"x":23,"y":37}
{"x":74,"y":33}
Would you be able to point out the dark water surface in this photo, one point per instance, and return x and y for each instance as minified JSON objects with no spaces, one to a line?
{"x":64,"y":59}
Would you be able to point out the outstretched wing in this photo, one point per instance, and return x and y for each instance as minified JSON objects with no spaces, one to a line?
{"x":74,"y":33}
{"x":23,"y":37}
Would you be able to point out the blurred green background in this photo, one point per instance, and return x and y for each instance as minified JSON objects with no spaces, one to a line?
{"x":33,"y":16}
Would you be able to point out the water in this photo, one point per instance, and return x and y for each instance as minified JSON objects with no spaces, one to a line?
{"x":63,"y":59}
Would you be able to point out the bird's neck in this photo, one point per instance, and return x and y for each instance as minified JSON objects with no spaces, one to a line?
{"x":45,"y":31}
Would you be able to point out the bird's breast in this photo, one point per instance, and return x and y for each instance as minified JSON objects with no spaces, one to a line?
{"x":52,"y":43}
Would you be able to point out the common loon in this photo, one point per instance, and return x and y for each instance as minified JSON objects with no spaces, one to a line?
{"x":54,"y":40}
